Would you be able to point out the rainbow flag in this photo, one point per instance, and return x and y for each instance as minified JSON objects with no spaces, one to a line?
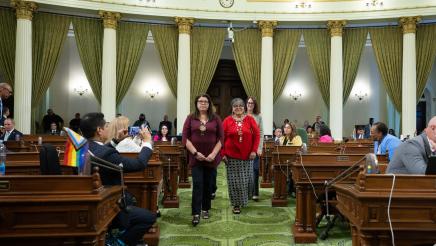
{"x":76,"y":150}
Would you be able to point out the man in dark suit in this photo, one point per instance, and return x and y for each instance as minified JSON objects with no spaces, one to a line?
{"x":10,"y":133}
{"x":133,"y":220}
{"x":411,"y":157}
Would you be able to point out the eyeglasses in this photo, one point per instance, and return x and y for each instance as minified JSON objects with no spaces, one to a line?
{"x":203,"y":101}
{"x":250,"y":103}
{"x":10,"y":92}
{"x":238,"y":106}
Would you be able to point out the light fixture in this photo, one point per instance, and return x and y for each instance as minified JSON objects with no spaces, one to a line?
{"x":152,"y":93}
{"x":295,"y":95}
{"x":80,"y":90}
{"x":230,"y":33}
{"x":302,"y":5}
{"x":374,"y":3}
{"x":361,"y":95}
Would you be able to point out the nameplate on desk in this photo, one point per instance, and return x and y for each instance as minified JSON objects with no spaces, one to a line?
{"x":342,"y":158}
{"x":4,"y":185}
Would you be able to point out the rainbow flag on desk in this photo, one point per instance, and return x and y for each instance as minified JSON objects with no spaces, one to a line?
{"x":76,"y":150}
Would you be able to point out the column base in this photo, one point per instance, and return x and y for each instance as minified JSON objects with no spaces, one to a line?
{"x":266,"y":185}
{"x":186,"y":185}
{"x":303,"y":237}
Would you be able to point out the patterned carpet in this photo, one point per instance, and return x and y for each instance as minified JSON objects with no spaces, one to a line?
{"x":259,"y":224}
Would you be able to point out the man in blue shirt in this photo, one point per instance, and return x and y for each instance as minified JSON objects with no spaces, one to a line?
{"x":383,"y":141}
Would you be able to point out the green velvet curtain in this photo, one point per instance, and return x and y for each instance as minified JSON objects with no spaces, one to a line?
{"x":247,"y":52}
{"x":317,"y":42}
{"x":425,"y":56}
{"x":49,"y":34}
{"x":166,"y":39}
{"x":353,"y":42}
{"x":89,"y":39}
{"x":206,"y":47}
{"x":387,"y":43}
{"x":285,"y":48}
{"x":8,"y":31}
{"x":131,"y":39}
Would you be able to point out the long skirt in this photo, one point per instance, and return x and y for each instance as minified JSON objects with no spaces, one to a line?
{"x":239,"y":178}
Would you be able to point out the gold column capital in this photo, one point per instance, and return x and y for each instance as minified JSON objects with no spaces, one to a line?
{"x":24,"y":10}
{"x":110,"y":19}
{"x":267,"y":28}
{"x":184,"y":24}
{"x":336,"y":26}
{"x":408,"y":23}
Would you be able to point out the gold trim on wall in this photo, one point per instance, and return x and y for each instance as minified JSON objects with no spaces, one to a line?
{"x":24,"y":10}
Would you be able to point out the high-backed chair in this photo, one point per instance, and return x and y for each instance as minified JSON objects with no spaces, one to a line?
{"x":49,"y":160}
{"x":303,"y":134}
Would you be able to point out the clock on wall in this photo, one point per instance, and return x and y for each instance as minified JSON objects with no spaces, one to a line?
{"x":227,"y":3}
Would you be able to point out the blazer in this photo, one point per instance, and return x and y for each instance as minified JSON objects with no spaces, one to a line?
{"x":108,"y":153}
{"x":12,"y":136}
{"x":411,"y":157}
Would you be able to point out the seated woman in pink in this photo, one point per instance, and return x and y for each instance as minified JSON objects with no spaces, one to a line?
{"x":325,"y":134}
{"x":162,"y":135}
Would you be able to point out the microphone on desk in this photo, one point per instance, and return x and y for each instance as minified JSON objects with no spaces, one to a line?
{"x":371,"y":167}
{"x":94,"y":160}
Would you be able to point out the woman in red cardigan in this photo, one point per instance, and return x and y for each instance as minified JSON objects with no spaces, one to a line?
{"x":241,"y":140}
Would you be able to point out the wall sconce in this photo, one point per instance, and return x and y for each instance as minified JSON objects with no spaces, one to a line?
{"x":80,"y":90}
{"x":152,"y":93}
{"x":295,"y":95}
{"x":374,"y":3}
{"x":303,"y":5}
{"x":360,"y":95}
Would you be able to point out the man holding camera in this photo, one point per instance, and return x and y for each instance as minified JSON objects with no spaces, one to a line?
{"x":133,"y":221}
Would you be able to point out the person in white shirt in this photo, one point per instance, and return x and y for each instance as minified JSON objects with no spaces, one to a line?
{"x":10,"y":133}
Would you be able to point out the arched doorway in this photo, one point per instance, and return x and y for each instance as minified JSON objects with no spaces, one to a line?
{"x":226,"y":85}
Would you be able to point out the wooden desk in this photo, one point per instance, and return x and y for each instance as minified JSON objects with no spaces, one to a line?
{"x":282,"y":158}
{"x":320,"y":168}
{"x":170,"y":156}
{"x":266,"y":165}
{"x":55,"y":210}
{"x":413,"y":209}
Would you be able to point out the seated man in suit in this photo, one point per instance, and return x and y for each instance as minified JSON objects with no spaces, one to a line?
{"x":9,"y":132}
{"x":133,"y":220}
{"x":411,"y":157}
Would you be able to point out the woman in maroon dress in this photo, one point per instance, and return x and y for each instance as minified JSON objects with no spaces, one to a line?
{"x":203,"y":138}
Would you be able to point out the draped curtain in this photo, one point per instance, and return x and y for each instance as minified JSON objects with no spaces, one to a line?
{"x":131,"y":39}
{"x":317,"y":42}
{"x":49,"y":34}
{"x":247,"y":52}
{"x":353,"y":43}
{"x":8,"y":31}
{"x":166,"y":39}
{"x":387,"y":43}
{"x":89,"y":39}
{"x":206,"y":47}
{"x":285,"y":48}
{"x":425,"y":56}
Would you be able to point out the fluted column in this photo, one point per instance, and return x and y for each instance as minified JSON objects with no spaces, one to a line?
{"x":109,"y":70}
{"x":408,"y":101}
{"x":336,"y":78}
{"x":23,"y":66}
{"x":266,"y":74}
{"x":184,"y":71}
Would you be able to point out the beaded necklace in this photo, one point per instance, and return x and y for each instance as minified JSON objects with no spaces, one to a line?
{"x":239,"y":124}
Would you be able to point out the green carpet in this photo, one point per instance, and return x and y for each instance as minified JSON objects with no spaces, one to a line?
{"x":258,"y":224}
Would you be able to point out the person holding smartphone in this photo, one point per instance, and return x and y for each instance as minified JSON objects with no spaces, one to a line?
{"x":129,"y":143}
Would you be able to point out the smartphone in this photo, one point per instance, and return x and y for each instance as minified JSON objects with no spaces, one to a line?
{"x":134,"y":130}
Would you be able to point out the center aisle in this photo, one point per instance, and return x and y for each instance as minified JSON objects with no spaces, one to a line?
{"x":258,"y":224}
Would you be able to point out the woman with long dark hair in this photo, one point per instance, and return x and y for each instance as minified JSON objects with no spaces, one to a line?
{"x":203,"y":138}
